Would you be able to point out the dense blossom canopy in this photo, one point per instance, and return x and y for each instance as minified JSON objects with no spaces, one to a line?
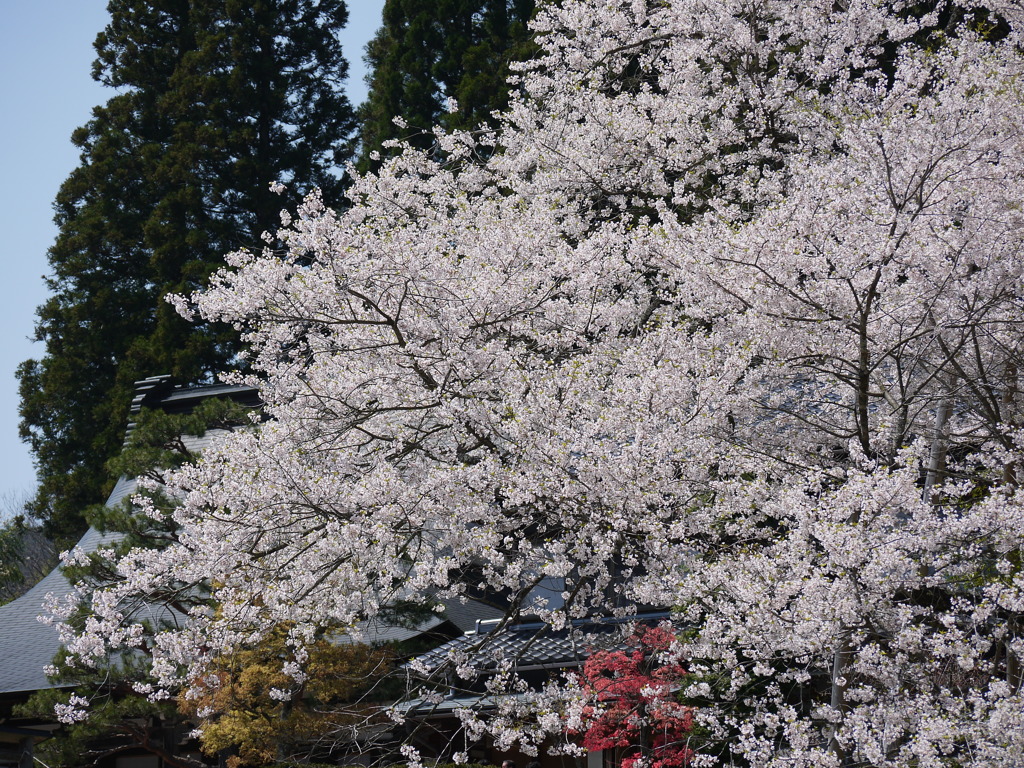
{"x":725,"y":317}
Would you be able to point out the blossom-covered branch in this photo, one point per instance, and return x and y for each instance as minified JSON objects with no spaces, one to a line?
{"x":725,"y":317}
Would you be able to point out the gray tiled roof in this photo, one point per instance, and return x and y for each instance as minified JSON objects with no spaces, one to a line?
{"x":465,"y":615}
{"x":26,"y":644}
{"x":379,"y":631}
{"x":534,"y":645}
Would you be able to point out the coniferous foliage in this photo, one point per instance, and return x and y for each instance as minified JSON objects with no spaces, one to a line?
{"x":215,"y":100}
{"x":427,"y":52}
{"x":26,"y":556}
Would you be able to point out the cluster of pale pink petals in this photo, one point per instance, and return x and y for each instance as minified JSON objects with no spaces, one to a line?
{"x":727,"y":319}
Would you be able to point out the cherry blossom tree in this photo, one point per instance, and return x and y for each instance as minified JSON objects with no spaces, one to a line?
{"x":725,"y":317}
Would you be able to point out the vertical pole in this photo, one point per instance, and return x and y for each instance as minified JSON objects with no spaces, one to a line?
{"x":839,"y":662}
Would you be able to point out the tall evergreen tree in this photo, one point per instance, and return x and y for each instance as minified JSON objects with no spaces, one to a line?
{"x":428,"y":51}
{"x":216,"y":98}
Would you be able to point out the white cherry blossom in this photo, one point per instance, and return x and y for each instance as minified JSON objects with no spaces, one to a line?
{"x":725,"y":317}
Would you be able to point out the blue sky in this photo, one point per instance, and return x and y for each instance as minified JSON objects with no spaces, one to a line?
{"x":46,"y":92}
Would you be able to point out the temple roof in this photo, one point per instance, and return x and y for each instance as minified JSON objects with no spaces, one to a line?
{"x":533,"y":645}
{"x":26,"y":644}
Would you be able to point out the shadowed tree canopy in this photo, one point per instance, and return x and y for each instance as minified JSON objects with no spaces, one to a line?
{"x":429,"y":51}
{"x":214,"y":101}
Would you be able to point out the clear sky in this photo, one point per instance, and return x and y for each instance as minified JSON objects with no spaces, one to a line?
{"x":45,"y":93}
